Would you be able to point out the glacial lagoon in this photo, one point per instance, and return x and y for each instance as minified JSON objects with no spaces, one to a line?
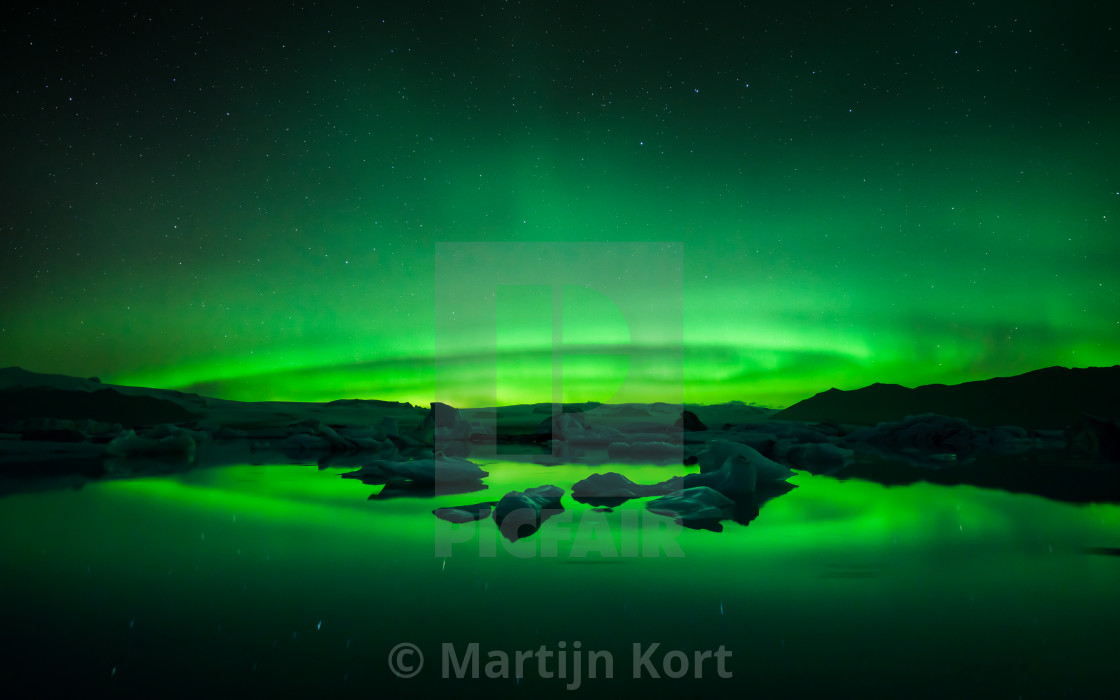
{"x":287,"y":579}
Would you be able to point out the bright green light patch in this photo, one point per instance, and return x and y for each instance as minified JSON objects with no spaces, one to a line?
{"x":523,"y":315}
{"x":602,"y":377}
{"x":524,"y":378}
{"x":592,"y":318}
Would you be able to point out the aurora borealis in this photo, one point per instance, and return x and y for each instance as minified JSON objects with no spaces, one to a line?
{"x":249,"y":204}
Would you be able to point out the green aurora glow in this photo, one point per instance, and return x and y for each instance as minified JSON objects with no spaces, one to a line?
{"x":878,"y":194}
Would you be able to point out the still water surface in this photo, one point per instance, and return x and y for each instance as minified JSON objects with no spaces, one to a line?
{"x":285,"y":579}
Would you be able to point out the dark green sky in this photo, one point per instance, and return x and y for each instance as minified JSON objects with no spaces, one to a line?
{"x":249,"y":202}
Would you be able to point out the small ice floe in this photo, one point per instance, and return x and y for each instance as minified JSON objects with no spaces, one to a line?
{"x":465,"y":514}
{"x":697,"y":505}
{"x":520,"y":513}
{"x":615,"y":485}
{"x":718,"y":458}
{"x":128,"y":444}
{"x":441,"y":469}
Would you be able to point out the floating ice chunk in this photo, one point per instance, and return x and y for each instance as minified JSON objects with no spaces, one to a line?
{"x":129,"y":445}
{"x":690,"y":422}
{"x":440,"y":469}
{"x":644,"y":450}
{"x":698,"y":503}
{"x":573,"y":428}
{"x":521,"y":513}
{"x":820,"y":457}
{"x":737,"y":477}
{"x":465,"y":514}
{"x":615,"y":485}
{"x":766,"y":470}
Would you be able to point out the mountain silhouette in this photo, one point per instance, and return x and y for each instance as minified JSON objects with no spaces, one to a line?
{"x":1050,"y":398}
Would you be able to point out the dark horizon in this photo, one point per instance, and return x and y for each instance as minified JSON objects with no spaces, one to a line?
{"x":194,"y":390}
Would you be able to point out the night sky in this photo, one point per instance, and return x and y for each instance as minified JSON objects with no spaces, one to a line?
{"x":249,"y":203}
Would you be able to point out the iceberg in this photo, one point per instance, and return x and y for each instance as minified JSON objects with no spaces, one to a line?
{"x":697,"y":506}
{"x":521,"y":513}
